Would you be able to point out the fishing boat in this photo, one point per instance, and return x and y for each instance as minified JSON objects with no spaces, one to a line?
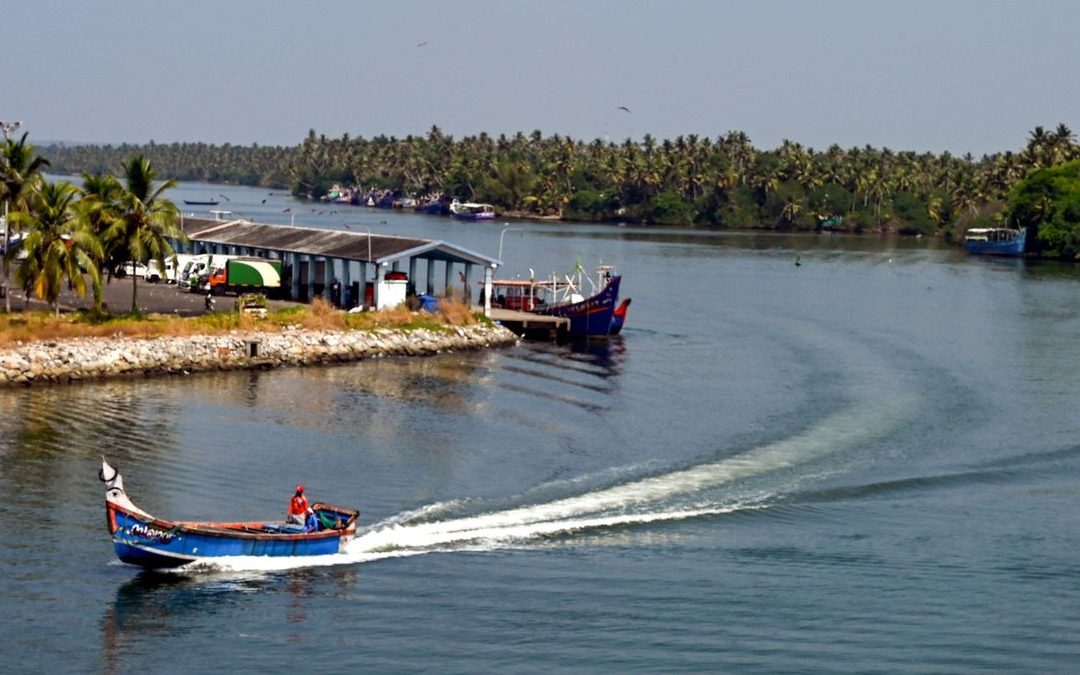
{"x":144,"y":540}
{"x":201,"y":202}
{"x":600,"y":314}
{"x":995,"y":241}
{"x":471,"y":211}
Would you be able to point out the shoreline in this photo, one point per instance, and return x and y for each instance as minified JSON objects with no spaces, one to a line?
{"x":88,"y":359}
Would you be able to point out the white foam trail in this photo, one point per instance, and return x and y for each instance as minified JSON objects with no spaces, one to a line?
{"x":875,"y":411}
{"x":396,"y":541}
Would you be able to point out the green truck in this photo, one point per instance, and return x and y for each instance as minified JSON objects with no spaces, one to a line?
{"x":246,"y":275}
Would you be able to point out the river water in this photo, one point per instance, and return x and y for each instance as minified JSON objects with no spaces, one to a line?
{"x":864,"y":462}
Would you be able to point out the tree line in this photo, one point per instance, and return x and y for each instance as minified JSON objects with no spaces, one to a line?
{"x":60,"y":234}
{"x":690,"y":180}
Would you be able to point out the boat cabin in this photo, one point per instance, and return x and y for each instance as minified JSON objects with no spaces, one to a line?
{"x":990,"y":234}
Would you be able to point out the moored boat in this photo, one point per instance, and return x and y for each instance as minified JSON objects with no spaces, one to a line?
{"x":598,"y":315}
{"x":995,"y":241}
{"x":144,"y":540}
{"x":201,"y":202}
{"x":339,"y":195}
{"x":471,"y":211}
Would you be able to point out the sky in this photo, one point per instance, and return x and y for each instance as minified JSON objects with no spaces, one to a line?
{"x":958,"y":75}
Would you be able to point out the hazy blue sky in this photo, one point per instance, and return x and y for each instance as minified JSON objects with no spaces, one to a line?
{"x":910,"y":75}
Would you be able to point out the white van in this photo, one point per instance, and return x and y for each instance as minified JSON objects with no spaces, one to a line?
{"x":197,"y":267}
{"x":173,"y":269}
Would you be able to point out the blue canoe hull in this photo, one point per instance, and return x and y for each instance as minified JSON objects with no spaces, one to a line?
{"x":592,"y":317}
{"x":154,"y":543}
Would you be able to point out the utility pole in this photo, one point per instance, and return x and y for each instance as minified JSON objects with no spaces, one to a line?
{"x":6,"y":128}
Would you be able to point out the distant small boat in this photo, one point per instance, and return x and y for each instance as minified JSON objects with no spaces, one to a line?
{"x":995,"y":241}
{"x":201,"y":202}
{"x":141,"y":539}
{"x":471,"y":211}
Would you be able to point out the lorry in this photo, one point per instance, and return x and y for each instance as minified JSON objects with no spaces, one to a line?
{"x":195,"y":272}
{"x":245,"y":275}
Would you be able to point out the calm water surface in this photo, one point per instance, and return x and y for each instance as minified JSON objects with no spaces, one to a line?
{"x":864,"y":463}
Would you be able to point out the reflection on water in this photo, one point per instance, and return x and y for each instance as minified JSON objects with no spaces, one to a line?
{"x":164,"y":605}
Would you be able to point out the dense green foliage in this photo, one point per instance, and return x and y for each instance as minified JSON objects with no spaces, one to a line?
{"x":1048,"y":202}
{"x":724,"y":182}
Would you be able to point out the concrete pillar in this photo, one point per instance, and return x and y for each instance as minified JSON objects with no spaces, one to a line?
{"x":448,"y":281}
{"x":294,"y":280}
{"x":311,"y":277}
{"x":412,"y":272}
{"x":431,"y":276}
{"x":468,"y":284}
{"x":489,"y":271}
{"x":362,"y":277}
{"x":347,"y":299}
{"x":380,"y":275}
{"x":328,"y":278}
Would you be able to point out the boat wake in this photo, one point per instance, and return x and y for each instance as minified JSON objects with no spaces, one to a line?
{"x":706,"y":489}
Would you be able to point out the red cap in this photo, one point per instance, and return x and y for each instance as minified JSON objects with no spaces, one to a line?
{"x":299,"y":488}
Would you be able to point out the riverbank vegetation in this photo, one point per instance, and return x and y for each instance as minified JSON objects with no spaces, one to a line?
{"x":690,"y":180}
{"x":30,"y":326}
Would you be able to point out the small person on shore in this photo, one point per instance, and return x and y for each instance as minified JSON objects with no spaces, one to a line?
{"x":209,"y":302}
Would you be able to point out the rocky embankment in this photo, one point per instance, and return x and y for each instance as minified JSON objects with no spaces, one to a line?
{"x":94,"y":358}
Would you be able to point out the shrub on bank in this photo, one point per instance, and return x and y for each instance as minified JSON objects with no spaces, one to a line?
{"x":45,"y":326}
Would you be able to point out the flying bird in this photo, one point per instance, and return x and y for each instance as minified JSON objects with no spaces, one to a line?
{"x":264,"y":201}
{"x":421,"y":44}
{"x":224,"y":197}
{"x":622,"y":107}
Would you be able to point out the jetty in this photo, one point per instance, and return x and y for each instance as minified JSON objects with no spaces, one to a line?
{"x":529,"y":325}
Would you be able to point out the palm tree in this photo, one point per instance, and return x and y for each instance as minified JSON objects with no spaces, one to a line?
{"x":58,"y":246}
{"x":98,"y":207}
{"x":145,"y":220}
{"x":19,"y":170}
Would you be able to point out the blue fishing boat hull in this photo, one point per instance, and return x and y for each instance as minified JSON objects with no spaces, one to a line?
{"x":154,"y":543}
{"x":592,"y":317}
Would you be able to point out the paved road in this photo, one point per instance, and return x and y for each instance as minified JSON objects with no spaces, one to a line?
{"x":159,"y":298}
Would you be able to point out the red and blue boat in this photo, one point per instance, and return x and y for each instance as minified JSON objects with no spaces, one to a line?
{"x":598,"y":315}
{"x":144,"y":540}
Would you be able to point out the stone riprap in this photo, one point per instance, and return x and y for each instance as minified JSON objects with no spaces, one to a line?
{"x":78,"y":359}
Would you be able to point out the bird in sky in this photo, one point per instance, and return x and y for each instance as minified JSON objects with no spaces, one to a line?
{"x":421,"y":44}
{"x":622,"y":107}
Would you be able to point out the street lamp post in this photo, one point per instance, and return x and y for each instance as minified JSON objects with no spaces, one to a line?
{"x":6,"y":128}
{"x":502,"y":234}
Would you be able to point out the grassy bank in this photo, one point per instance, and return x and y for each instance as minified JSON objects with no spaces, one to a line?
{"x":44,"y":326}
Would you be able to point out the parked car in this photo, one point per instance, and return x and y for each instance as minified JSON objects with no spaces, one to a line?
{"x":129,"y":268}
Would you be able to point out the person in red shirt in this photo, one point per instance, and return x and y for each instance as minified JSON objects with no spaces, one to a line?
{"x":298,"y":508}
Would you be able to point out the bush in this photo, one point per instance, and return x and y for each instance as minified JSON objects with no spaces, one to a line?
{"x":669,"y":208}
